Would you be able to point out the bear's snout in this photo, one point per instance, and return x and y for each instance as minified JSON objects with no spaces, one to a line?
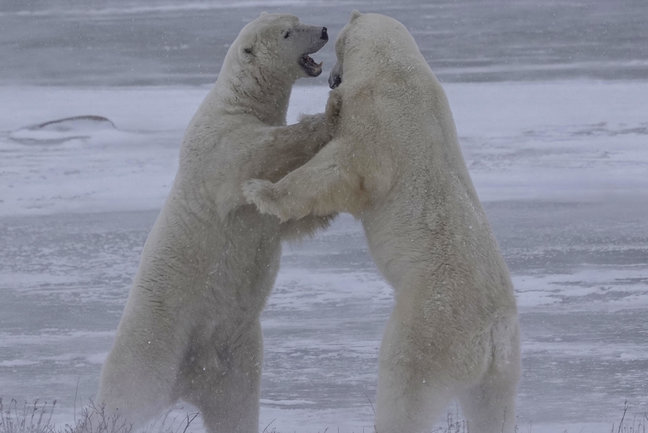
{"x":324,"y":34}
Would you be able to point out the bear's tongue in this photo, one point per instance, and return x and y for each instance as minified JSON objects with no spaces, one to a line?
{"x":309,"y":66}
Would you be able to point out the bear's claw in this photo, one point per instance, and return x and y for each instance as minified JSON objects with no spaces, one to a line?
{"x":261,"y":194}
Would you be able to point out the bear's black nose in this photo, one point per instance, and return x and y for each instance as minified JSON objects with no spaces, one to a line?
{"x":324,"y":34}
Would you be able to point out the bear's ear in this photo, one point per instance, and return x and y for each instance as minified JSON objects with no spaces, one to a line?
{"x":247,"y":48}
{"x":354,"y":15}
{"x":247,"y":52}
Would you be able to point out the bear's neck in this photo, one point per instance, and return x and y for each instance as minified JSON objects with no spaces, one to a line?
{"x":264,"y":96}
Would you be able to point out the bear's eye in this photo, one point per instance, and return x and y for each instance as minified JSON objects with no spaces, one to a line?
{"x":287,"y":34}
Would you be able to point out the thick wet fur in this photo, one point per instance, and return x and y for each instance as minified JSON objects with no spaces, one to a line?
{"x":190,"y":329}
{"x":395,"y":163}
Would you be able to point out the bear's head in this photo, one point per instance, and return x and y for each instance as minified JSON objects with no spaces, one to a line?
{"x":279,"y":45}
{"x":368,"y":43}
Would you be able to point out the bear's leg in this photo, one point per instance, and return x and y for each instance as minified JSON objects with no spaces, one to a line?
{"x":319,"y":187}
{"x":226,"y":386}
{"x":137,"y":380}
{"x":490,"y":406}
{"x":410,"y":397}
{"x":288,"y":147}
{"x":307,"y":226}
{"x":403,"y":409}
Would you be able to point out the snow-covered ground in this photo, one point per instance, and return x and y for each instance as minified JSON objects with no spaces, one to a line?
{"x":562,"y":168}
{"x":522,"y":141}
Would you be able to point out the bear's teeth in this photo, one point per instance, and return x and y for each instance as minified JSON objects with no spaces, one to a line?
{"x":310,"y":62}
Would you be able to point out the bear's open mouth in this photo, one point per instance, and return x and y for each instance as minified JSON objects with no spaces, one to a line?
{"x":309,"y":66}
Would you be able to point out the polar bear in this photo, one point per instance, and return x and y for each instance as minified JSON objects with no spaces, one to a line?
{"x":190,"y":329}
{"x":395,"y":163}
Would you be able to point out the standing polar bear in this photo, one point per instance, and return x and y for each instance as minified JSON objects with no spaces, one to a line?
{"x":191,"y":329}
{"x":395,"y":163}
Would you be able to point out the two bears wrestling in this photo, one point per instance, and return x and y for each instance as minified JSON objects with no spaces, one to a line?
{"x":386,"y":151}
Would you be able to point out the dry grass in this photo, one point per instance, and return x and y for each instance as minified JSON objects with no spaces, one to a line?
{"x":637,"y":425}
{"x":36,"y":417}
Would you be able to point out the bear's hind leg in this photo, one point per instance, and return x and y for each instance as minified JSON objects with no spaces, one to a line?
{"x":411,"y":395}
{"x":489,"y":407}
{"x":136,"y":385}
{"x":408,"y":409}
{"x":224,"y":383}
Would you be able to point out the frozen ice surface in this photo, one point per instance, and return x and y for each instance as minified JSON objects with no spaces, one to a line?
{"x":561,"y":168}
{"x":145,"y":42}
{"x":554,"y":141}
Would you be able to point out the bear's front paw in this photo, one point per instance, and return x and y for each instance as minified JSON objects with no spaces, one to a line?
{"x":261,"y":193}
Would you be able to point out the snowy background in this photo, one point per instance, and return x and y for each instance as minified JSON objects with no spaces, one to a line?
{"x":551,"y":105}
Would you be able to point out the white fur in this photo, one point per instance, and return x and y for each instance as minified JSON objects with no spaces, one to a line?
{"x":396,"y":164}
{"x":190,"y":329}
